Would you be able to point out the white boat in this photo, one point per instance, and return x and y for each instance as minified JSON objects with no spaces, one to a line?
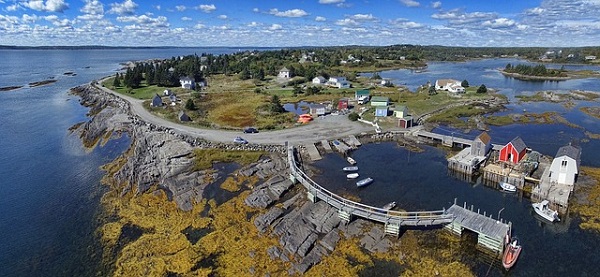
{"x":542,"y":209}
{"x":389,"y":206}
{"x":508,"y":187}
{"x":364,"y":182}
{"x":351,"y":160}
{"x":350,"y":168}
{"x":352,"y":176}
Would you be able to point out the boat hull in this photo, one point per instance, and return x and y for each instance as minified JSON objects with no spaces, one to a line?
{"x":350,"y":168}
{"x":364,"y":182}
{"x":508,"y":187}
{"x":511,"y":254}
{"x":543,"y":211}
{"x":352,"y":175}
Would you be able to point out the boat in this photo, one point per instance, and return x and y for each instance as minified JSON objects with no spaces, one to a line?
{"x":511,"y":253}
{"x":508,"y":187}
{"x":364,"y":182}
{"x":542,"y":209}
{"x":352,"y":176}
{"x":389,"y":206}
{"x":351,"y":160}
{"x":350,"y":168}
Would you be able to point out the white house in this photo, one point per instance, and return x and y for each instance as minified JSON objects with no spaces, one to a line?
{"x":284,"y":73}
{"x":338,"y":82}
{"x":318,"y":80}
{"x":449,"y":85}
{"x":590,"y":58}
{"x":167,"y":92}
{"x":565,"y":166}
{"x":187,"y":82}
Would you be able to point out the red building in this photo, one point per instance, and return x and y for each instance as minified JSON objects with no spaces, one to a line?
{"x":514,"y":151}
{"x":342,"y":104}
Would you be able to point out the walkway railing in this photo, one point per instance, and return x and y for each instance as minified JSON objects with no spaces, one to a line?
{"x":421,"y":218}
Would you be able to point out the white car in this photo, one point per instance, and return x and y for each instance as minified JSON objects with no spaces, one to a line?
{"x":240,"y":140}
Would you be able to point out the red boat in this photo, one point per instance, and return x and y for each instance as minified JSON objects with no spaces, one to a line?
{"x":511,"y":253}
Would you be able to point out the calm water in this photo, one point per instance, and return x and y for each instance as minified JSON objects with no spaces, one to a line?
{"x":50,"y":188}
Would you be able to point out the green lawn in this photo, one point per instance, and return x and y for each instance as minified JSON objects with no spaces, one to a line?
{"x":144,"y":92}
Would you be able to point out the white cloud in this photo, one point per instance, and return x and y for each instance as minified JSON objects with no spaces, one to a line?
{"x":346,"y":22}
{"x":144,"y":20}
{"x":499,"y":23}
{"x":363,"y":17}
{"x":457,"y":17}
{"x":199,"y":26}
{"x":253,"y":24}
{"x":93,"y":7}
{"x":222,"y":16}
{"x":255,"y":10}
{"x":207,"y":8}
{"x":288,"y":13}
{"x":410,"y":3}
{"x":48,"y":6}
{"x":275,"y":27}
{"x":185,"y":18}
{"x":534,"y":11}
{"x":126,"y":8}
{"x":436,"y":5}
{"x":12,"y":8}
{"x":405,"y":24}
{"x":180,"y":8}
{"x":331,"y":1}
{"x":25,"y":18}
{"x":320,"y":19}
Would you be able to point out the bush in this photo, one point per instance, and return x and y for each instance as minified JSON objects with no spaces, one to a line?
{"x":353,"y":116}
{"x":482,"y":89}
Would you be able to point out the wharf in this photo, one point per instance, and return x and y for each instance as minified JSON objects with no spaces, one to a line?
{"x":557,"y":194}
{"x":313,"y":152}
{"x":326,"y":146}
{"x":352,"y":141}
{"x":341,"y":146}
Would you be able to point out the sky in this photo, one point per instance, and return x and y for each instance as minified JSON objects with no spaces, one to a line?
{"x":287,"y":23}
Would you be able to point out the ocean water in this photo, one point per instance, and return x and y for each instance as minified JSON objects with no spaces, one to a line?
{"x":50,"y":185}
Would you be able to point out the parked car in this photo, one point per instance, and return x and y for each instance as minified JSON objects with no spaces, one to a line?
{"x":250,"y":130}
{"x":240,"y":140}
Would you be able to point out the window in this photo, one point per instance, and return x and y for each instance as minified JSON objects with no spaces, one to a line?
{"x":563,"y":164}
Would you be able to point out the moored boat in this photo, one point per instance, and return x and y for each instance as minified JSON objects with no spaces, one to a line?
{"x":508,"y":187}
{"x":352,"y":175}
{"x":389,"y":206}
{"x":350,"y":168}
{"x":545,"y":212}
{"x":364,"y":182}
{"x":351,"y":160}
{"x":511,"y":253}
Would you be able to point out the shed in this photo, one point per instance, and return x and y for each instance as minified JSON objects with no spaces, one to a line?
{"x":317,"y":109}
{"x":284,"y":73}
{"x":481,"y":145}
{"x":319,"y":80}
{"x":167,"y":92}
{"x":361,"y":93}
{"x":565,"y":166}
{"x":156,"y":101}
{"x":405,"y":122}
{"x":514,"y":151}
{"x":378,"y":101}
{"x":342,"y":104}
{"x":381,"y":111}
{"x":183,"y":117}
{"x":401,"y":111}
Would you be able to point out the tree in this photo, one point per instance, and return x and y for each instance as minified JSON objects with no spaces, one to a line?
{"x":432,"y":90}
{"x":117,"y":81}
{"x":464,"y":84}
{"x":189,"y":105}
{"x":482,"y":89}
{"x":276,"y":106}
{"x":353,"y":116}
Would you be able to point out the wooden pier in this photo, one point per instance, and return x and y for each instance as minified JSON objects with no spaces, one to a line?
{"x":326,"y":146}
{"x":352,"y":141}
{"x":341,"y":146}
{"x":491,"y":232}
{"x":313,"y":152}
{"x":449,"y":141}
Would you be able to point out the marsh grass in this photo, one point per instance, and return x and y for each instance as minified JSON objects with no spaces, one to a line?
{"x":204,"y":158}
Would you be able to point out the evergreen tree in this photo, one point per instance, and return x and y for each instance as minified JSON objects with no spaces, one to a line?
{"x":464,"y":84}
{"x":482,"y":89}
{"x":117,"y":81}
{"x":276,"y":106}
{"x":189,"y":105}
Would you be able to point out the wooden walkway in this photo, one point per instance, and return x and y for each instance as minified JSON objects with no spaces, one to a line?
{"x":326,"y":146}
{"x":341,"y":146}
{"x":393,"y":220}
{"x":450,"y":140}
{"x":313,"y":152}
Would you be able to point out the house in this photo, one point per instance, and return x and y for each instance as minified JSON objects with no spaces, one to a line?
{"x":183,"y":117}
{"x":342,"y":104}
{"x":404,"y":119}
{"x":156,"y":101}
{"x":514,"y":151}
{"x":317,"y":109}
{"x":565,"y":166}
{"x":381,"y":111}
{"x":338,"y":82}
{"x":319,"y":80}
{"x":377,"y":101}
{"x":361,"y":94}
{"x":456,"y":88}
{"x":167,"y":92}
{"x":187,"y":82}
{"x":284,"y":73}
{"x":386,"y":82}
{"x":400,"y":111}
{"x":448,"y":84}
{"x":482,"y":144}
{"x":590,"y":58}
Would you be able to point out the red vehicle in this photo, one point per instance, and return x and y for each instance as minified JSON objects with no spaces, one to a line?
{"x":511,"y":253}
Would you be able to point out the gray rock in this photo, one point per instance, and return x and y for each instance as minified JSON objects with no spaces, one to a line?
{"x":262,"y":222}
{"x":323,"y":216}
{"x":312,"y":258}
{"x":330,"y":240}
{"x":298,"y":240}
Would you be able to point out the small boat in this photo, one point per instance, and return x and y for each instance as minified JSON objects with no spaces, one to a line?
{"x":350,"y":168}
{"x":351,"y":160}
{"x":336,"y":142}
{"x":511,"y":253}
{"x":364,"y":182}
{"x":352,"y":176}
{"x":389,"y":206}
{"x":542,"y":209}
{"x":508,"y":187}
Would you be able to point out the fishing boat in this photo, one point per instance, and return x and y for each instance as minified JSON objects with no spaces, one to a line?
{"x":352,"y":176}
{"x":511,"y":253}
{"x":364,"y":182}
{"x":508,"y":187}
{"x":545,"y":212}
{"x":389,"y":206}
{"x":351,"y":160}
{"x":350,"y":168}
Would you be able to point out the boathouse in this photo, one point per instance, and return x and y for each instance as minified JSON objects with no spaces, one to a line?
{"x":514,"y":151}
{"x":404,"y":119}
{"x":377,"y":101}
{"x":317,"y":109}
{"x":565,"y":166}
{"x":469,"y":159}
{"x":481,"y":145}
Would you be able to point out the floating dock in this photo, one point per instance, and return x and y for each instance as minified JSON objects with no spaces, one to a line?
{"x":313,"y":152}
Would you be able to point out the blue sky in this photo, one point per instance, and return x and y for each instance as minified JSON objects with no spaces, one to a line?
{"x":281,"y":23}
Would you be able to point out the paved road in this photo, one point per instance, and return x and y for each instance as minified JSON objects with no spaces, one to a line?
{"x":327,"y":127}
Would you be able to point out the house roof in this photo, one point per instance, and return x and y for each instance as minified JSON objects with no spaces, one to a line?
{"x":518,"y":144}
{"x":185,"y":78}
{"x":445,"y":82}
{"x":362,"y":92}
{"x":317,"y":106}
{"x":400,"y":108}
{"x":284,"y":69}
{"x":381,"y":108}
{"x":484,"y":137}
{"x":379,"y":99}
{"x":569,"y":151}
{"x":320,"y":77}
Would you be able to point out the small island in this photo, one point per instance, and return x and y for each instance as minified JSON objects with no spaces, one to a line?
{"x":541,"y":73}
{"x":10,"y":88}
{"x":42,"y":83}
